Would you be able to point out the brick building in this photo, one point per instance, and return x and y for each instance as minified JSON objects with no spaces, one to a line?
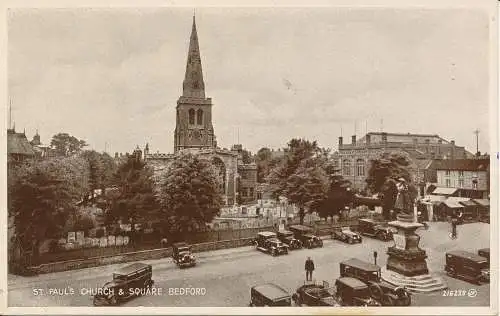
{"x":354,"y":159}
{"x":194,"y":133}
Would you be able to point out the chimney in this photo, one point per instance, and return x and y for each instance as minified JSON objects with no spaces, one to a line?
{"x":453,"y":142}
{"x":353,"y":139}
{"x":384,"y":137}
{"x":368,"y":139}
{"x":452,"y":149}
{"x":341,"y":141}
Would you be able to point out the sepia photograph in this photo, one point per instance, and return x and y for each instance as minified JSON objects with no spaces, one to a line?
{"x":251,"y":159}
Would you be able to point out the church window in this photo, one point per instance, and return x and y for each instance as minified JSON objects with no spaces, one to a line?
{"x":199,"y":117}
{"x":360,"y":167}
{"x":346,"y":167}
{"x":191,"y":116}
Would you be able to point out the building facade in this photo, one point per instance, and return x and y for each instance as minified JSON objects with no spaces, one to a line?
{"x":353,"y":159}
{"x":194,"y":133}
{"x":469,"y":176}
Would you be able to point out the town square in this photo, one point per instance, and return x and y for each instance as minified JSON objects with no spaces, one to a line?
{"x":250,"y":157}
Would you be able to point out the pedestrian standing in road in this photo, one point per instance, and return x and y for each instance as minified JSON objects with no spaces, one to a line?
{"x":309,"y":269}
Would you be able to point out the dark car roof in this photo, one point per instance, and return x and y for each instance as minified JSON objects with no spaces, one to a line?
{"x":360,"y":264}
{"x":301,"y":227}
{"x":352,"y":282}
{"x":484,"y":250}
{"x":132,"y":268}
{"x":285,"y":232}
{"x":271,"y":291}
{"x":267,"y":234}
{"x":466,"y":254}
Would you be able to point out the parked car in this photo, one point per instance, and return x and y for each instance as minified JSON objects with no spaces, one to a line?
{"x":304,"y":234}
{"x":468,"y":266}
{"x":269,"y":294}
{"x":346,"y":235}
{"x":353,"y":292}
{"x":125,"y":284}
{"x":182,"y":256}
{"x":379,"y":230}
{"x":381,"y":291}
{"x":485,"y":252}
{"x":287,"y":238}
{"x":315,"y":294}
{"x":268,"y":242}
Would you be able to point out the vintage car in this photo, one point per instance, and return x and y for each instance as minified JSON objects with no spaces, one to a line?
{"x":467,"y":266}
{"x":353,"y":292}
{"x":269,"y":294}
{"x":383,"y":292}
{"x":372,"y":228}
{"x":127,"y":282}
{"x":345,"y":234}
{"x":485,"y":252}
{"x":287,"y":238}
{"x":269,"y":243}
{"x":315,"y":294}
{"x":182,"y":256}
{"x":304,"y":234}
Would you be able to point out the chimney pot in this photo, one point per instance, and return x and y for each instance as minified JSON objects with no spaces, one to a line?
{"x":354,"y":139}
{"x":368,"y":139}
{"x":341,"y":141}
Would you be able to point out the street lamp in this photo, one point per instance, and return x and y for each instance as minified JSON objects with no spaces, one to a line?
{"x":375,"y":257}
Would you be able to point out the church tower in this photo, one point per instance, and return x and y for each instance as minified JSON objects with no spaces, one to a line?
{"x":194,"y":129}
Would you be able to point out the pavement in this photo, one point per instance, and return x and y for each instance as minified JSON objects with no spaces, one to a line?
{"x":224,"y":277}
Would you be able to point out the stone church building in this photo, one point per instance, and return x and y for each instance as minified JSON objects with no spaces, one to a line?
{"x":194,"y":133}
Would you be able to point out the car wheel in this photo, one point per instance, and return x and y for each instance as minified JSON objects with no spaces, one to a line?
{"x":381,"y":236}
{"x":273,"y":253}
{"x":114,"y":301}
{"x":351,"y":241}
{"x":148,"y":284}
{"x":376,"y":291}
{"x":387,"y":300}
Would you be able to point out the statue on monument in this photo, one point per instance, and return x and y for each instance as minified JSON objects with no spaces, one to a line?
{"x":404,"y":201}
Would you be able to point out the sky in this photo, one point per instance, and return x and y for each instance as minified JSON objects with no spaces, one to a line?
{"x":113,"y":77}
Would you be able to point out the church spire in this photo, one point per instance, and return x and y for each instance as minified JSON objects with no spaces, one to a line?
{"x":193,"y":85}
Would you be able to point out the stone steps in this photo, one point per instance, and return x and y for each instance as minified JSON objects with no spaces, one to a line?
{"x":417,"y":284}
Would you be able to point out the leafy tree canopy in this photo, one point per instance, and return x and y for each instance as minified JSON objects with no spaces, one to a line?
{"x":66,"y":145}
{"x":190,"y":194}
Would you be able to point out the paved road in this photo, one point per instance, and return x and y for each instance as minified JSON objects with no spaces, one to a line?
{"x":227,"y":275}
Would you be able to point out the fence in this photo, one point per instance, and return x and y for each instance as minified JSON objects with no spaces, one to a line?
{"x":196,"y":239}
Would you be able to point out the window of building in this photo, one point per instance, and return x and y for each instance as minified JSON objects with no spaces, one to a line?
{"x":461,"y":173}
{"x":448,"y":183}
{"x":251,"y":192}
{"x":199,"y":117}
{"x":447,"y":173}
{"x":360,"y":167}
{"x":346,"y":167}
{"x":460,"y":183}
{"x":191,"y":116}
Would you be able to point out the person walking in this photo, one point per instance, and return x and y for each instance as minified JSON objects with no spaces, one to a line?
{"x":309,"y":266}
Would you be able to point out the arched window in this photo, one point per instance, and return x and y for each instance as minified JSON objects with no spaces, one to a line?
{"x":191,"y":116}
{"x":360,"y":167}
{"x":346,"y":167}
{"x":199,"y":117}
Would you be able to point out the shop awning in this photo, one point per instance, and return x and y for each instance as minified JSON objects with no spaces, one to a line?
{"x":453,"y":204}
{"x":468,"y":203}
{"x":444,"y":191}
{"x":482,"y":202}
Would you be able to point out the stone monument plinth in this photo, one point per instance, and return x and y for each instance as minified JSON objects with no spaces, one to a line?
{"x":406,"y":264}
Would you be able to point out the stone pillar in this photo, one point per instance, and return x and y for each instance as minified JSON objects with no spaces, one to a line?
{"x":406,"y":264}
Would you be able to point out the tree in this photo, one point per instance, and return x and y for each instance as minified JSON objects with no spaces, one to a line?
{"x":265,"y":163}
{"x":190,"y":195}
{"x":101,"y":170}
{"x":41,"y":194}
{"x":339,"y":195}
{"x":382,"y":176}
{"x":135,"y":200}
{"x":301,"y":176}
{"x":66,"y":145}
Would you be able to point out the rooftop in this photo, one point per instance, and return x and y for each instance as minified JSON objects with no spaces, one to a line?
{"x":17,"y":143}
{"x":461,"y":164}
